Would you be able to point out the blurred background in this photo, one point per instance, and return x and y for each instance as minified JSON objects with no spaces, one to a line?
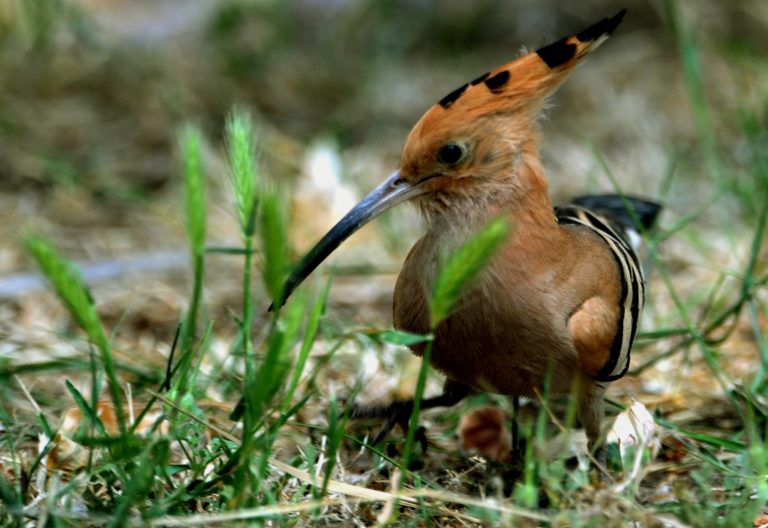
{"x":93,"y":94}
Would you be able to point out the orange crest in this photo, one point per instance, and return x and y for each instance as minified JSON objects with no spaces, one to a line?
{"x":518,"y":85}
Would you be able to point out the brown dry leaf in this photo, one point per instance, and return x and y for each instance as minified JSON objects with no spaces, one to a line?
{"x":65,"y":454}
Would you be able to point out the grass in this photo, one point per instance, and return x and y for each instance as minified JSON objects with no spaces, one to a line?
{"x":148,"y":449}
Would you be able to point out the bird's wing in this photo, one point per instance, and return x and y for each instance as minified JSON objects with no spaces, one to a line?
{"x":603,"y":332}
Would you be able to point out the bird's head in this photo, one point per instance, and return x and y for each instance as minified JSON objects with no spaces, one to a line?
{"x":468,"y":149}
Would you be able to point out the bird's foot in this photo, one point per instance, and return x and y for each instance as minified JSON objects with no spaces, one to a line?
{"x":395,"y":413}
{"x":599,"y":465}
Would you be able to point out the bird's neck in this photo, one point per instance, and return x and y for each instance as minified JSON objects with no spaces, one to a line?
{"x":524,"y":202}
{"x":535,"y":243}
{"x":530,"y":210}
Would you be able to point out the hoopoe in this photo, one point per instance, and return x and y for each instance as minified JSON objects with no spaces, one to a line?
{"x":564,"y":293}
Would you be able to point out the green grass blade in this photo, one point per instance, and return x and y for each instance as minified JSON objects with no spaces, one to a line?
{"x":242,"y":164}
{"x":398,"y":337}
{"x":97,"y":378}
{"x":87,"y":410}
{"x":194,"y":180}
{"x":527,"y":491}
{"x":69,"y":285}
{"x":463,"y":266}
{"x":313,"y":324}
{"x":711,"y":440}
{"x":694,"y":81}
{"x":240,"y":138}
{"x":335,"y":434}
{"x":223,"y":250}
{"x":274,"y":369}
{"x":273,"y":243}
{"x":73,"y":292}
{"x":418,"y":395}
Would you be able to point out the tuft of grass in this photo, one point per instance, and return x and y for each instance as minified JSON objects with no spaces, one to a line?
{"x":242,"y":170}
{"x":269,"y":384}
{"x":218,"y":472}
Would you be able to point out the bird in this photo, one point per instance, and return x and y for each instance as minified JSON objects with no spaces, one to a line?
{"x":561,"y":297}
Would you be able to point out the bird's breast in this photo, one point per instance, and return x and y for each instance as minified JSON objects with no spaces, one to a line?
{"x":502,"y":336}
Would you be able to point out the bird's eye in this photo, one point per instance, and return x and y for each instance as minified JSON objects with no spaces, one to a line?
{"x":450,"y":153}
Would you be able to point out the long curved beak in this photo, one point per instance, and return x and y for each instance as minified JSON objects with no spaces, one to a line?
{"x":392,"y":191}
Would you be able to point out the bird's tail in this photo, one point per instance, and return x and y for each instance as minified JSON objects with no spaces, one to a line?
{"x":626,"y":210}
{"x":629,"y":214}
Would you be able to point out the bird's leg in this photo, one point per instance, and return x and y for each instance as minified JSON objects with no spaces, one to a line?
{"x":591,"y":416}
{"x":515,"y":425}
{"x":399,"y":412}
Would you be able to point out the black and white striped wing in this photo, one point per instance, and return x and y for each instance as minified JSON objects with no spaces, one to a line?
{"x":632,"y":284}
